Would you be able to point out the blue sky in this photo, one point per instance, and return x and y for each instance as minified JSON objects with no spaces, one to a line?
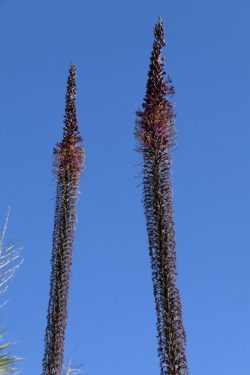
{"x":111,"y":327}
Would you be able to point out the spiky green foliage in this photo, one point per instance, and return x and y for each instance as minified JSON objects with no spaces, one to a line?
{"x":7,"y":361}
{"x":72,"y":369}
{"x":9,"y":261}
{"x":68,"y":155}
{"x":155,"y":133}
{"x":9,"y":264}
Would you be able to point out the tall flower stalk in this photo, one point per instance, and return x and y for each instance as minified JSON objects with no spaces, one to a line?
{"x":155,"y":132}
{"x":68,"y":160}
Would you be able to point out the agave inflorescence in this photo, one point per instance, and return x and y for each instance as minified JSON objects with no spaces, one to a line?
{"x":68,"y":156}
{"x":155,"y":133}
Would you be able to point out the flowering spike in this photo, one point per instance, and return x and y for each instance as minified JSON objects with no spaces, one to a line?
{"x":68,"y":160}
{"x":69,"y":153}
{"x":155,"y":133}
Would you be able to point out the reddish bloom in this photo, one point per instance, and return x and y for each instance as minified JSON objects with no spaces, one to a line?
{"x":69,"y":163}
{"x":155,"y":134}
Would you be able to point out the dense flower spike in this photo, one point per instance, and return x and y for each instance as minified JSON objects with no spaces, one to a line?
{"x":69,"y":163}
{"x":155,"y":133}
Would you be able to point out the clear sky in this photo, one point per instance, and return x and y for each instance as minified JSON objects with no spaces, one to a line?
{"x":111,"y":327}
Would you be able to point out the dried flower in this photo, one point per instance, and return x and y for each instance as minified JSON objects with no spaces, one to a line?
{"x":69,"y":163}
{"x":155,"y":133}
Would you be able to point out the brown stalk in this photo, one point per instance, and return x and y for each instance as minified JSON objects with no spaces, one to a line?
{"x":155,"y":134}
{"x":68,"y":155}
